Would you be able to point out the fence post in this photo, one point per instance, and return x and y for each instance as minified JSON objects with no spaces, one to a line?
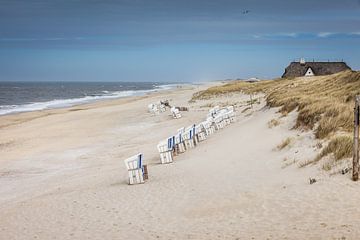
{"x":355,"y":175}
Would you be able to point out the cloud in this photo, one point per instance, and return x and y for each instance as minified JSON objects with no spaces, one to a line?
{"x":325,"y":34}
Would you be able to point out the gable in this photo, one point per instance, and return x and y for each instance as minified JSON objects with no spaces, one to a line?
{"x":309,"y":72}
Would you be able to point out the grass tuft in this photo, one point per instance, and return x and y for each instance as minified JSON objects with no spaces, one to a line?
{"x":284,"y":143}
{"x":273,"y":123}
{"x":341,"y":147}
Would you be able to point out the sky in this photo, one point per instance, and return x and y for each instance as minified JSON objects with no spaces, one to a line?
{"x":172,"y":40}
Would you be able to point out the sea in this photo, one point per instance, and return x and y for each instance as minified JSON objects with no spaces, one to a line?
{"x":16,"y":97}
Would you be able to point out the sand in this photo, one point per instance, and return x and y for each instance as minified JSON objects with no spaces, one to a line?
{"x":62,"y":176}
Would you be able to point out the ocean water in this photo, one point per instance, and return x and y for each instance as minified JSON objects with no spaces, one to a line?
{"x":18,"y":97}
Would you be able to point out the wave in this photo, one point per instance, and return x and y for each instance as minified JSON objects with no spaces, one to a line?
{"x":62,"y":103}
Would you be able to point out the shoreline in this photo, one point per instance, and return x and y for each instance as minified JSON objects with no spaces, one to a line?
{"x":73,"y":102}
{"x":20,"y":117}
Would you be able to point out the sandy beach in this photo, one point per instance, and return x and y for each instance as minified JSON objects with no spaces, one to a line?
{"x":62,"y":176}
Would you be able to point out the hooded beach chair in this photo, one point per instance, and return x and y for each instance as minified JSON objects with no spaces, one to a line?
{"x":166,"y":150}
{"x":135,"y":167}
{"x":225,"y":116}
{"x":162,"y":107}
{"x":209,"y":126}
{"x":153,"y":108}
{"x":189,"y":136}
{"x":175,"y":112}
{"x":200,"y":133}
{"x":218,"y":121}
{"x":179,"y":142}
{"x":232,"y":114}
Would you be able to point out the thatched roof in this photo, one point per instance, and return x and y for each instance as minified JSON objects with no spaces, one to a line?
{"x":296,"y":69}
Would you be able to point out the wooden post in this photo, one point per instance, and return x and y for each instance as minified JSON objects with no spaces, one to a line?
{"x":355,"y":175}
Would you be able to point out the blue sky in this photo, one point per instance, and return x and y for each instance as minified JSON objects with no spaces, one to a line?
{"x":170,"y":40}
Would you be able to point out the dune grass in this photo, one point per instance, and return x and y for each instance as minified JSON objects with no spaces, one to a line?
{"x":324,"y":103}
{"x":273,"y":123}
{"x":286,"y":142}
{"x":340,"y":146}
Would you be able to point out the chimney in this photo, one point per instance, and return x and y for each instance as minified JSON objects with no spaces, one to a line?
{"x":302,"y":61}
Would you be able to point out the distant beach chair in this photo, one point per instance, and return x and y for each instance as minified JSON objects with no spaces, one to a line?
{"x":166,"y":150}
{"x":200,"y":132}
{"x":135,"y":166}
{"x":218,"y":121}
{"x":232,"y":114}
{"x":153,"y":108}
{"x":208,"y":126}
{"x":225,"y":116}
{"x":162,"y":107}
{"x":189,"y":136}
{"x":175,"y":112}
{"x":179,"y":141}
{"x":213,"y":111}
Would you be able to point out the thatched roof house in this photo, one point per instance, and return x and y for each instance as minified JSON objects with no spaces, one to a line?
{"x":302,"y":68}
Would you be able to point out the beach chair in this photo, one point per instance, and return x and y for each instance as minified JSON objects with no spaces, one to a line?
{"x":179,"y":143}
{"x":209,"y":127}
{"x":135,"y":169}
{"x":189,"y":135}
{"x":162,"y":107}
{"x":226,"y":116}
{"x":218,"y":122}
{"x":213,"y":112}
{"x":175,"y":112}
{"x":153,"y":108}
{"x":232,"y":114}
{"x":166,"y":150}
{"x":200,"y":132}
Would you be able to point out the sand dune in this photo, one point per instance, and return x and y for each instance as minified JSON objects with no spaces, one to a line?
{"x":62,"y":176}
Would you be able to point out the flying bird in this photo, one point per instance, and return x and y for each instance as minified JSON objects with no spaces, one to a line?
{"x":248,"y":11}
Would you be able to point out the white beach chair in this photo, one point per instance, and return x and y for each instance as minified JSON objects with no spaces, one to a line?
{"x":189,"y":135}
{"x":135,"y":169}
{"x":175,"y":112}
{"x":218,"y":121}
{"x":226,"y":116}
{"x":200,"y":132}
{"x":162,"y":107}
{"x":232,"y":114}
{"x":179,"y":143}
{"x":166,"y":150}
{"x":153,"y":108}
{"x":209,"y":126}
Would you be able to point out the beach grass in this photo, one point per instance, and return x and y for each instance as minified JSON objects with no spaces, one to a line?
{"x":324,"y":104}
{"x":286,"y":142}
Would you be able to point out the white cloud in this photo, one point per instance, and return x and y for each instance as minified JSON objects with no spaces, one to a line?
{"x":325,"y":34}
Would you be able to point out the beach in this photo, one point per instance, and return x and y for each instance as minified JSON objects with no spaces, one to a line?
{"x":62,"y":175}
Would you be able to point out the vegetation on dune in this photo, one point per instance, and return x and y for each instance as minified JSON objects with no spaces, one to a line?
{"x":340,"y":146}
{"x":286,"y":142}
{"x":324,"y":104}
{"x":273,"y":123}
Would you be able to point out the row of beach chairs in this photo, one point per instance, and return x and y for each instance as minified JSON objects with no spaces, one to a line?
{"x":187,"y":138}
{"x":157,"y":108}
{"x":184,"y":139}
